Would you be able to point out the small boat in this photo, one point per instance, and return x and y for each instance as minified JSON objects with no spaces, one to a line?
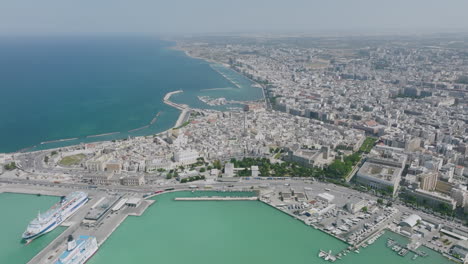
{"x":390,"y":242}
{"x":403,"y":252}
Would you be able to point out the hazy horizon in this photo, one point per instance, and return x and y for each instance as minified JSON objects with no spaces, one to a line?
{"x":52,"y":17}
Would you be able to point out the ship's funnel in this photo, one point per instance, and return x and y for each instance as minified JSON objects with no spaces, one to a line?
{"x":71,"y":244}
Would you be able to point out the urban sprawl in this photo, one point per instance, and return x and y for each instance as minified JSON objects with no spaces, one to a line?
{"x":355,"y":136}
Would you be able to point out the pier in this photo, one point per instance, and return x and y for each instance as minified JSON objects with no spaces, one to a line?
{"x":109,"y":223}
{"x":184,"y":108}
{"x":167,"y":101}
{"x":168,"y":95}
{"x":216,"y":198}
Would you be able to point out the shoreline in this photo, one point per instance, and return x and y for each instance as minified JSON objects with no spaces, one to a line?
{"x":166,"y":100}
{"x":185,"y":109}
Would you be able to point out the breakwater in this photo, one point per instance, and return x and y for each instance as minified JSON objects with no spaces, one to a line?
{"x":103,"y":135}
{"x":183,"y":117}
{"x":58,"y":140}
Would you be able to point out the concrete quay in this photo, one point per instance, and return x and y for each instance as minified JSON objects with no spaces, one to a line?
{"x":216,"y":198}
{"x":109,"y":222}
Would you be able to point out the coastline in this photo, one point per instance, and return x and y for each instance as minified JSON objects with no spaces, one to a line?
{"x":87,"y":139}
{"x":184,"y":110}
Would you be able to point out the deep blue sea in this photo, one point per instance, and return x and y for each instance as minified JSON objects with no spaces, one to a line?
{"x":72,"y":87}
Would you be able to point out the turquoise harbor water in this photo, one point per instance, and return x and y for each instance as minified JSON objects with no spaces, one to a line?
{"x":17,"y":211}
{"x":198,"y":232}
{"x":74,"y":87}
{"x":205,"y":232}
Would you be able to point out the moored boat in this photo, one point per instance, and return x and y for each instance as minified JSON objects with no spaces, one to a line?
{"x":78,"y":251}
{"x":57,"y":214}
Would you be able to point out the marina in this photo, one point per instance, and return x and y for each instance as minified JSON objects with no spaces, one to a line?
{"x":215,"y":67}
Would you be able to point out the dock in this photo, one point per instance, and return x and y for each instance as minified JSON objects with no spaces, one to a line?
{"x":216,"y":198}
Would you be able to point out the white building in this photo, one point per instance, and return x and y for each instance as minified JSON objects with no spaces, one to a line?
{"x":326,"y":197}
{"x":229,"y":170}
{"x":186,"y":156}
{"x":158,"y":163}
{"x":382,"y":173}
{"x":254,"y":170}
{"x":355,"y":206}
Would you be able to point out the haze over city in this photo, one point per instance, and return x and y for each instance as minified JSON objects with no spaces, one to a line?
{"x":214,"y":16}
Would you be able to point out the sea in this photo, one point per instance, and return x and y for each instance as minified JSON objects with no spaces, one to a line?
{"x":54,"y":88}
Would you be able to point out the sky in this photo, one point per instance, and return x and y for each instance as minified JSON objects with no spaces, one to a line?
{"x":45,"y":17}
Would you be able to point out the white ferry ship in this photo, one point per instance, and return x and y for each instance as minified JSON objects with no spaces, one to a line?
{"x":79,"y":251}
{"x":49,"y":220}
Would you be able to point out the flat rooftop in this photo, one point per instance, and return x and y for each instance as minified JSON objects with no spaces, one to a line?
{"x":380,"y":171}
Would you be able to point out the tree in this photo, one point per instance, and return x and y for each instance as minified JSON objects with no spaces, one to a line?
{"x":10,"y":166}
{"x":169,"y":176}
{"x":202,"y":170}
{"x":53,"y":153}
{"x":217,"y":164}
{"x":46,"y":159}
{"x":364,"y":209}
{"x":380,"y":201}
{"x":389,"y":190}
